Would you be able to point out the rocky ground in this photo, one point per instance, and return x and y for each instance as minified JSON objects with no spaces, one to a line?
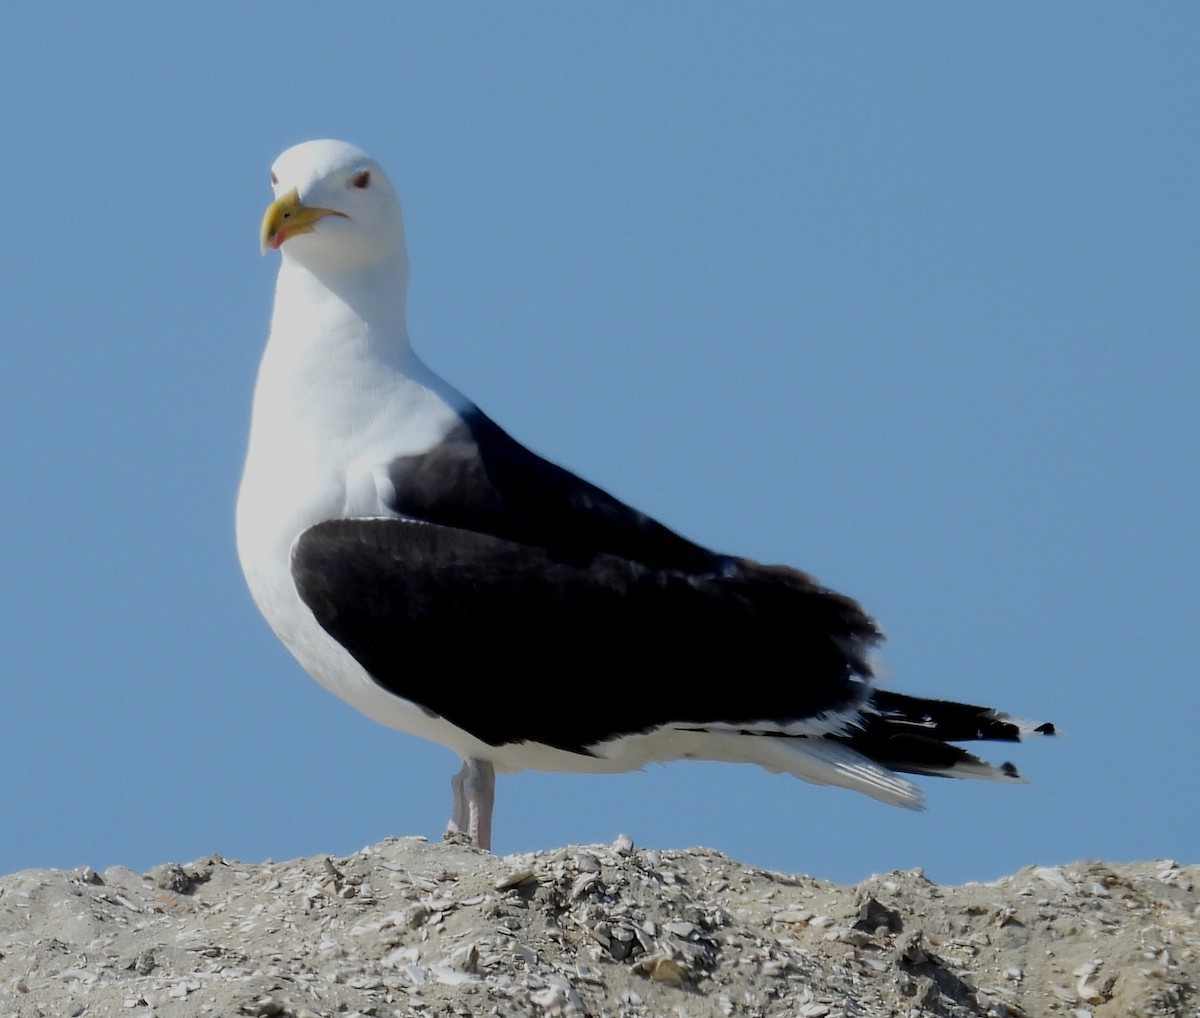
{"x":407,"y":927}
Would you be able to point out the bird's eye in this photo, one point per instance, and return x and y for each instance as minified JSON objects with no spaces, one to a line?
{"x":362,"y":179}
{"x":274,"y":179}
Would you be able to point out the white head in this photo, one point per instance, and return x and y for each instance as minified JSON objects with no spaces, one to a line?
{"x":335,"y":211}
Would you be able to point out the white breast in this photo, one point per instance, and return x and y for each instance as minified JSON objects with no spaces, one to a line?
{"x":335,"y":402}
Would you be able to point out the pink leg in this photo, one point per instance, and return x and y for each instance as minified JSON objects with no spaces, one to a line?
{"x":474,"y":789}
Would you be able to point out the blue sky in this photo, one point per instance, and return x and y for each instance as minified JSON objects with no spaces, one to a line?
{"x":903,"y":295}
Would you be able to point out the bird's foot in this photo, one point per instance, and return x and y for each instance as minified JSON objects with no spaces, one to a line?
{"x":474,"y":789}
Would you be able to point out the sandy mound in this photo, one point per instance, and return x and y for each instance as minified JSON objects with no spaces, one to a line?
{"x":406,"y":927}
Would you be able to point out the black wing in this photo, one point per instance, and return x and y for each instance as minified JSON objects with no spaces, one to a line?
{"x":479,"y":478}
{"x":513,"y":642}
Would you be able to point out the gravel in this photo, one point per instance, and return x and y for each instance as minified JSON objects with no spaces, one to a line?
{"x":412,"y":928}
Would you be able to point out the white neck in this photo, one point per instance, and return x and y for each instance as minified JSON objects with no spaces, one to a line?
{"x":339,"y":352}
{"x":366,"y":304}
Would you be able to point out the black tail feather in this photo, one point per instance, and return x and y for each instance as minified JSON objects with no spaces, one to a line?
{"x":914,"y":735}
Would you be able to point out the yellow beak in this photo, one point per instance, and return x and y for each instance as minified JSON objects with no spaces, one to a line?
{"x":287,"y":216}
